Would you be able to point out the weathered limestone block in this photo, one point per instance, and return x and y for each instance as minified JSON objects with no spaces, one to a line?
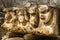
{"x":35,"y":19}
{"x":30,"y":19}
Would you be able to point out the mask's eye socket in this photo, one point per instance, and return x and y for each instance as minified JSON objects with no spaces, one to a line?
{"x":33,"y":14}
{"x":45,"y":11}
{"x":21,"y":14}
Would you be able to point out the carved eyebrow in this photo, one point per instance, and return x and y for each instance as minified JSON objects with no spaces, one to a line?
{"x":33,"y":14}
{"x":45,"y":11}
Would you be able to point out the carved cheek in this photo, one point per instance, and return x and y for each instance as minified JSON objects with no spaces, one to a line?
{"x":7,"y":26}
{"x":47,"y":16}
{"x":32,"y":19}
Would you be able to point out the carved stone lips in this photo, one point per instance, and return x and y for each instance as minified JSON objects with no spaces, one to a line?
{"x":42,"y":18}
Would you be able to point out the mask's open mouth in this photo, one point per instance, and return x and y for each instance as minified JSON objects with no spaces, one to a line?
{"x":42,"y":18}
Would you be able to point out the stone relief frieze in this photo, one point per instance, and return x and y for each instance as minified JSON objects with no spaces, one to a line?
{"x":31,"y":19}
{"x":42,"y":18}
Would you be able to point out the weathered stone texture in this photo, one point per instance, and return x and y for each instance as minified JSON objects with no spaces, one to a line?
{"x":36,"y":17}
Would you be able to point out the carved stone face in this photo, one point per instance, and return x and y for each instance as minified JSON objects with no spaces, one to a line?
{"x":45,"y":17}
{"x":45,"y":14}
{"x":21,"y":16}
{"x":33,"y":16}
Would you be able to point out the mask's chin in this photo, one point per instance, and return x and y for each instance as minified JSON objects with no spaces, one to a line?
{"x":45,"y":20}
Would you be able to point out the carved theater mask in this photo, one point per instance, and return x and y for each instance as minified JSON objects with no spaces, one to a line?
{"x":44,"y":13}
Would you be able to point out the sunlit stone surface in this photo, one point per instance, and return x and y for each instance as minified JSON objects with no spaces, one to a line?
{"x":48,"y":20}
{"x":19,"y":20}
{"x":31,"y":19}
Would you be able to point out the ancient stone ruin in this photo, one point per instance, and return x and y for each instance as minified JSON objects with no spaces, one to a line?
{"x":30,"y":21}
